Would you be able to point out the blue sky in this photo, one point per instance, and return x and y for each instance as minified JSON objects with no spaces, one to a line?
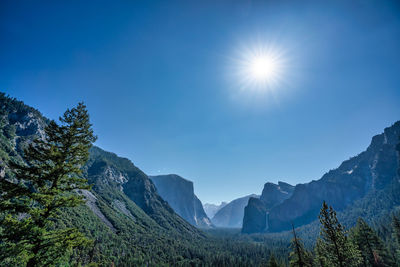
{"x":160,"y":83}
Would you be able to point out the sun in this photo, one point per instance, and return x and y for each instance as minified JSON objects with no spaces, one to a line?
{"x":264,"y":68}
{"x":261,"y":67}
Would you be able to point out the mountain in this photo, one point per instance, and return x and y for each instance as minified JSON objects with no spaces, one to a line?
{"x":112,"y":174}
{"x":179,"y":194}
{"x":231,"y":216}
{"x":357,"y":181}
{"x":255,"y":213}
{"x":123,"y":214}
{"x":211,"y":209}
{"x":128,"y":222}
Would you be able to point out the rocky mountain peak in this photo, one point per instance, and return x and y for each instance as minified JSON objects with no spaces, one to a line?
{"x":274,"y":194}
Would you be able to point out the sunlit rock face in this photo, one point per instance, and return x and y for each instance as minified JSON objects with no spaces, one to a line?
{"x":371,"y":170}
{"x":27,"y":123}
{"x":179,"y":194}
{"x":19,"y":125}
{"x":256,"y":211}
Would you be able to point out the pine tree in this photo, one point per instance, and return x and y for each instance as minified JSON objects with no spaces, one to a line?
{"x":44,"y":184}
{"x":340,"y":251}
{"x":373,"y":250}
{"x":320,"y":254}
{"x":299,"y":256}
{"x":272,"y":261}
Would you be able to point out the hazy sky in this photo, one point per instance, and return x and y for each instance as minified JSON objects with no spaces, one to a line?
{"x":161,"y":83}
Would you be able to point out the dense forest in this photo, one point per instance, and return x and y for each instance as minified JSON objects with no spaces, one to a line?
{"x":63,"y":203}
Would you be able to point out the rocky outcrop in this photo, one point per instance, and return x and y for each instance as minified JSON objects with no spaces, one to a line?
{"x":256,"y":211}
{"x":19,"y":125}
{"x":274,"y":194}
{"x":231,"y":216}
{"x":179,"y":193}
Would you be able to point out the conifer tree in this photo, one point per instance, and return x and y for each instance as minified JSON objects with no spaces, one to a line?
{"x":272,"y":261}
{"x":44,"y":184}
{"x":373,"y":250}
{"x":320,"y":254}
{"x":299,"y":256}
{"x":339,"y":250}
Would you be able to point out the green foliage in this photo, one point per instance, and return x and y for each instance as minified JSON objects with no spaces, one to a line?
{"x":299,"y":256}
{"x":272,"y":261}
{"x":320,"y":255}
{"x":396,"y":234}
{"x":45,"y":182}
{"x":373,"y":251}
{"x":335,"y":246}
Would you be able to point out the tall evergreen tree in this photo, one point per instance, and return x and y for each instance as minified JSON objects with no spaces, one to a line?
{"x":340,"y":251}
{"x":299,"y":256}
{"x":320,"y":255}
{"x":45,"y":183}
{"x":373,"y":250}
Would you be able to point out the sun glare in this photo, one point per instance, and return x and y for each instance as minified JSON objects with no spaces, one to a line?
{"x":261,"y":67}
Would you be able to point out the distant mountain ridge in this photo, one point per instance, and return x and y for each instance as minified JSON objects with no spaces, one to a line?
{"x":231,"y":215}
{"x":179,"y":193}
{"x":372,"y":170}
{"x":212,"y":209}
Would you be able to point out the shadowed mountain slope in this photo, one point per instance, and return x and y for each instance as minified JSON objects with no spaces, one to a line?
{"x":255,"y":214}
{"x":179,"y":194}
{"x":361,"y":176}
{"x":231,"y":215}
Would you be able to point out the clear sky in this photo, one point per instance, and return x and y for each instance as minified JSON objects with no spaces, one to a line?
{"x":163,"y":85}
